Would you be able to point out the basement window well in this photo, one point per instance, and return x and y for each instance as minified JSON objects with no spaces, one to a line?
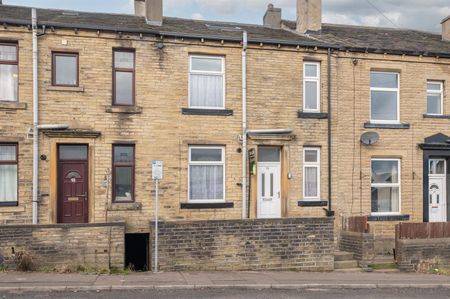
{"x":137,"y":252}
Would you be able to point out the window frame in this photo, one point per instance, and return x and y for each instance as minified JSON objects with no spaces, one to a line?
{"x":223,"y":74}
{"x":311,"y":165}
{"x":11,"y":162}
{"x":65,"y":54}
{"x":387,"y":185}
{"x":124,"y":164}
{"x":12,"y":62}
{"x":396,"y":121}
{"x":124,"y":70}
{"x":434,"y":92}
{"x":215,"y":163}
{"x":312,"y":79}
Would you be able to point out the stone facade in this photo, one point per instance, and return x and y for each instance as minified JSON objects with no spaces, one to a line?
{"x":160,"y":131}
{"x":422,"y":254}
{"x":304,"y":244}
{"x":95,"y":246}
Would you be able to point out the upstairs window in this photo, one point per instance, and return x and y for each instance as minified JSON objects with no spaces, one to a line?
{"x":311,"y":173}
{"x":384,"y":97}
{"x":207,"y":82}
{"x":123,"y":173}
{"x":311,"y":87}
{"x":206,"y":174}
{"x":8,"y":72}
{"x":124,"y":77}
{"x":385,"y":186}
{"x":65,"y":69}
{"x":435,"y":95}
{"x":8,"y":174}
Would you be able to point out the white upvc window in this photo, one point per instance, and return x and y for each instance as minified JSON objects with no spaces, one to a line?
{"x":311,"y":87}
{"x":206,"y":82}
{"x":435,"y":97}
{"x":385,"y":185}
{"x":206,"y":174}
{"x":384,"y":97}
{"x":311,"y":173}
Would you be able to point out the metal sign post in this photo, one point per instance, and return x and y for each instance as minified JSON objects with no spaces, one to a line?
{"x":157,"y":175}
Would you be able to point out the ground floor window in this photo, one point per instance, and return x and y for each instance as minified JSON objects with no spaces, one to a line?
{"x":8,"y":174}
{"x":206,"y":174}
{"x":385,"y":186}
{"x":123,"y":173}
{"x":311,"y":173}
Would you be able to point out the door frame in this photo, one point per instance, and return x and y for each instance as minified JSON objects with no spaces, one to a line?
{"x":268,"y":164}
{"x":444,"y":178}
{"x":87,"y":179}
{"x":434,"y":154}
{"x":283,"y":179}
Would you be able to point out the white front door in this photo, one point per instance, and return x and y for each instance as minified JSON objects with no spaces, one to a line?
{"x":437,"y":195}
{"x":269,"y":190}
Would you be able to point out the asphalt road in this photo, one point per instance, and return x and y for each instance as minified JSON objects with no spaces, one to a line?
{"x":241,"y":294}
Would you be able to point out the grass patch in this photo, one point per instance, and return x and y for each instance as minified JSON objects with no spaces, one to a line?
{"x":440,"y":271}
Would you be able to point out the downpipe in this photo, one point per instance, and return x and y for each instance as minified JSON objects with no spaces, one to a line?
{"x":244,"y":124}
{"x":329,"y":211}
{"x":35,"y":118}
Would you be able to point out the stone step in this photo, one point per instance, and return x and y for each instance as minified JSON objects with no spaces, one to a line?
{"x":383,"y":259}
{"x":345,"y":264}
{"x":343,"y":256}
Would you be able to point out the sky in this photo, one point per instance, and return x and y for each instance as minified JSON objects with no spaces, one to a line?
{"x":415,"y":14}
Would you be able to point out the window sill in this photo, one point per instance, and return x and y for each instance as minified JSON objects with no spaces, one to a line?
{"x":210,"y":112}
{"x":9,"y":207}
{"x":125,"y":206}
{"x":66,"y":88}
{"x":124,"y":109}
{"x":312,"y":203}
{"x":312,"y":115}
{"x":13,"y":106}
{"x":436,"y":116}
{"x":203,"y":206}
{"x":370,"y":125}
{"x":388,"y":218}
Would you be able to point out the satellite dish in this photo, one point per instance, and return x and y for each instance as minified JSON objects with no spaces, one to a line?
{"x":370,"y":138}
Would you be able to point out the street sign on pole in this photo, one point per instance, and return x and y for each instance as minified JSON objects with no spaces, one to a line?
{"x":157,"y":174}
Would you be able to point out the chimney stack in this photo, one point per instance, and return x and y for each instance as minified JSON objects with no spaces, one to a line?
{"x":446,"y":29}
{"x":309,"y":15}
{"x":272,"y":18}
{"x":152,"y":10}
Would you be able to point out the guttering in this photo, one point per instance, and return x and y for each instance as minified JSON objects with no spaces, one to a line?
{"x":35,"y":118}
{"x":244,"y":124}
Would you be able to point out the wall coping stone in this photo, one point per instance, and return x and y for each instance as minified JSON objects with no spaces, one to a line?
{"x":40,"y":226}
{"x":278,"y":220}
{"x":424,"y":241}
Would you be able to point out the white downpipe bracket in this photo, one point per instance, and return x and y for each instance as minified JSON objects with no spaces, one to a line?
{"x":244,"y":124}
{"x":35,"y":119}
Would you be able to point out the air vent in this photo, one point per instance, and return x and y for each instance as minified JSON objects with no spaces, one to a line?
{"x":70,"y":13}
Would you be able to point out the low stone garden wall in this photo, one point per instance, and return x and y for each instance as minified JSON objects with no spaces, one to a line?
{"x":360,"y":244}
{"x":421,"y":246}
{"x":98,"y":246}
{"x":304,"y":244}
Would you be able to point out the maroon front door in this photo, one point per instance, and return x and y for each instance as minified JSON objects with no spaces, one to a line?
{"x":73,"y":201}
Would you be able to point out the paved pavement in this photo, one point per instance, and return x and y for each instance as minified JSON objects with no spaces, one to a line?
{"x":16,"y":281}
{"x":240,"y":294}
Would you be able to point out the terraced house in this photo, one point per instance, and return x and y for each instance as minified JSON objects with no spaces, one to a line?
{"x":264,"y":127}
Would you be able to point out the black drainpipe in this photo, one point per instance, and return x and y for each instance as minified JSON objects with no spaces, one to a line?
{"x":329,"y":212}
